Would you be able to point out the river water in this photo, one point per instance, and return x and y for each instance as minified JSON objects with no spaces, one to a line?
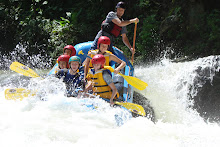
{"x":61,"y":121}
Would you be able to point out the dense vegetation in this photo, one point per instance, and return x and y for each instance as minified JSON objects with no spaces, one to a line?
{"x":167,"y":27}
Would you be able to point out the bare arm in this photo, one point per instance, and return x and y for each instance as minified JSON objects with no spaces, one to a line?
{"x":123,"y":23}
{"x":114,"y":92}
{"x":86,"y":63}
{"x":84,"y":93}
{"x":116,"y":59}
{"x":88,"y":86}
{"x":127,"y":43}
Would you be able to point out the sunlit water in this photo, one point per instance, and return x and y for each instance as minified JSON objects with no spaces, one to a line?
{"x":62,"y":121}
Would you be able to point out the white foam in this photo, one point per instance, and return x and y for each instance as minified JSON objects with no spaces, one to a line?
{"x":62,"y":121}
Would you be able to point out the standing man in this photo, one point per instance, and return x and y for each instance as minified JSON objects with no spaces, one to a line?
{"x":114,"y":26}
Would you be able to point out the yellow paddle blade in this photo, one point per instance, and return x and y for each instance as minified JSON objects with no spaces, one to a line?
{"x":133,"y":81}
{"x":109,"y":68}
{"x":135,"y":108}
{"x":17,"y":93}
{"x":22,"y":69}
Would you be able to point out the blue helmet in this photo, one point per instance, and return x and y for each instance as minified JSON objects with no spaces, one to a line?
{"x":75,"y":58}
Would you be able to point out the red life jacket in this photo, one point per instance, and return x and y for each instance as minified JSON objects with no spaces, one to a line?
{"x":111,"y":28}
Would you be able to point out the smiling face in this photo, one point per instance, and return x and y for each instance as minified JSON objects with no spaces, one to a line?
{"x":120,"y":12}
{"x":67,"y":52}
{"x":103,"y":48}
{"x":97,"y":66}
{"x":62,"y":64}
{"x":74,"y":65}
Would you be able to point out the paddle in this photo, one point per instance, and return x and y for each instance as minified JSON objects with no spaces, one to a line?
{"x":17,"y":93}
{"x":22,"y":69}
{"x":21,"y":93}
{"x":133,"y":81}
{"x":135,"y":108}
{"x":134,"y":38}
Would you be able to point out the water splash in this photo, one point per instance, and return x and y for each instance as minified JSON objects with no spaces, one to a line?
{"x":19,"y":54}
{"x":62,"y":121}
{"x":172,"y":87}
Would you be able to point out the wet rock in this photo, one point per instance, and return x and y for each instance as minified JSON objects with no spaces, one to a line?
{"x":143,"y":101}
{"x":207,"y":100}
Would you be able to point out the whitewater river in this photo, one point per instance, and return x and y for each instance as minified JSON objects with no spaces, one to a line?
{"x":60,"y":121}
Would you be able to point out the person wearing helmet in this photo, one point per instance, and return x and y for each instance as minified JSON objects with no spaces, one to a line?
{"x":72,"y":77}
{"x":69,"y":50}
{"x":103,"y":45}
{"x":62,"y":62}
{"x":114,"y":26}
{"x":100,"y":80}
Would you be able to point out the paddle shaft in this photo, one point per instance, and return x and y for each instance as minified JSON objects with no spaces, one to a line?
{"x":134,"y":38}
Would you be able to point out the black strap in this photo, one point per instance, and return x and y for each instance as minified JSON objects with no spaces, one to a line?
{"x":103,"y":92}
{"x":117,"y":82}
{"x":94,"y":78}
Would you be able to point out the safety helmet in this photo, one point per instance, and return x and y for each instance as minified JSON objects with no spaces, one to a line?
{"x":64,"y":58}
{"x":103,"y":40}
{"x":75,"y":58}
{"x":99,"y":59}
{"x":120,"y":5}
{"x":70,"y":47}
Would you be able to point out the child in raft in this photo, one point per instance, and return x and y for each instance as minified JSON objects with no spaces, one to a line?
{"x":72,"y":77}
{"x":100,"y":80}
{"x":62,"y":60}
{"x":103,"y":45}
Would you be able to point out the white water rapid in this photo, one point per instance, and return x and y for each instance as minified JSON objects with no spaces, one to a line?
{"x":65,"y":122}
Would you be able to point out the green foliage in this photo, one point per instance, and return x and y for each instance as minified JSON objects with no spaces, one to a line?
{"x":149,"y":31}
{"x":62,"y":32}
{"x":205,"y":35}
{"x":149,"y":36}
{"x":213,"y":21}
{"x":47,"y":26}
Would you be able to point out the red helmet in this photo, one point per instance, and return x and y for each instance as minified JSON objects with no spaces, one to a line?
{"x":64,"y":58}
{"x":99,"y":59}
{"x":104,"y":40}
{"x":70,"y":47}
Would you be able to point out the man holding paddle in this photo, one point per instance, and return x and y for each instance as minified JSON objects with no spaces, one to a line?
{"x":114,"y":26}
